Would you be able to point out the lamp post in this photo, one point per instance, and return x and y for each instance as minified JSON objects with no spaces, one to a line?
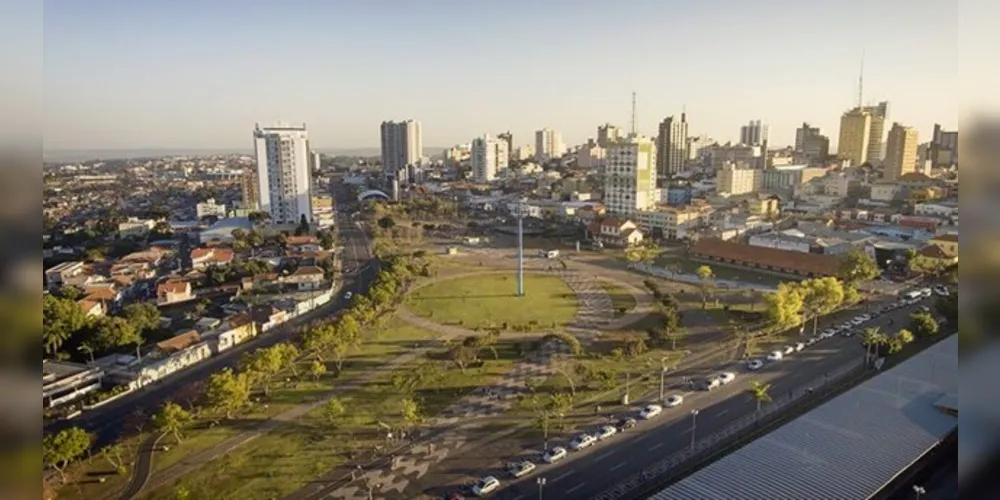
{"x":663,"y":374}
{"x":917,"y":491}
{"x":541,"y":486}
{"x":520,"y":247}
{"x":694,"y":422}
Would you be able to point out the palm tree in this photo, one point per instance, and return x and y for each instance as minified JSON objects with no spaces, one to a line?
{"x":87,"y":349}
{"x":759,"y":392}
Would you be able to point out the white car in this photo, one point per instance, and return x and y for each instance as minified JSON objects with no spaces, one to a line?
{"x":799,"y":346}
{"x":866,"y":317}
{"x":726,"y":377}
{"x":848,"y":333}
{"x":650,"y":412}
{"x":789,"y":349}
{"x":941,"y":290}
{"x":485,"y":486}
{"x":812,"y":340}
{"x":829,"y":332}
{"x":847,"y":325}
{"x":581,"y":441}
{"x":606,"y":431}
{"x":674,"y":400}
{"x":348,"y":295}
{"x":522,"y":468}
{"x":554,"y":455}
{"x":926,"y":292}
{"x":857,"y":321}
{"x":775,"y":356}
{"x":754,"y":364}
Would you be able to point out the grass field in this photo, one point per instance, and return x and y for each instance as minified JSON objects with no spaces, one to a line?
{"x":489,"y":300}
{"x":622,"y":300}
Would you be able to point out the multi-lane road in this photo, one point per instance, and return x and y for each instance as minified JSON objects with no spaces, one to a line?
{"x":107,"y":423}
{"x":587,"y":473}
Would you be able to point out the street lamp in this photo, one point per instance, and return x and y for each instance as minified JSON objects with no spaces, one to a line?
{"x":694,"y":422}
{"x":918,"y":490}
{"x":520,"y":247}
{"x":541,"y":486}
{"x":663,"y":374}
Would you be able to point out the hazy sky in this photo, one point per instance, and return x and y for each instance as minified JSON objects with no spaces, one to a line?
{"x":199,"y":73}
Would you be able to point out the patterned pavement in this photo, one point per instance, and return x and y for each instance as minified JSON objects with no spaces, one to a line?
{"x":448,"y":432}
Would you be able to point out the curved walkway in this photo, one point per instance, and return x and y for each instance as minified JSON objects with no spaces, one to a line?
{"x":448,"y":432}
{"x":143,"y":466}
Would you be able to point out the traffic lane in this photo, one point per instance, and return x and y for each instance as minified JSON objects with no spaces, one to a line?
{"x":594,"y":470}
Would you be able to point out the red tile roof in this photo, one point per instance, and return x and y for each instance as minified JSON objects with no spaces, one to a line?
{"x":179,"y":342}
{"x":769,"y":258}
{"x":173,"y":286}
{"x":307,"y":270}
{"x":294,"y":241}
{"x":933,"y":252}
{"x":947,"y":237}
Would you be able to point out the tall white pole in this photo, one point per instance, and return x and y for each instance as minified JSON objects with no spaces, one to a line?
{"x":520,"y":248}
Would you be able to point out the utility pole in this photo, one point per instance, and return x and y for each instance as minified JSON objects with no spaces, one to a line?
{"x":520,"y":247}
{"x":541,"y":486}
{"x":663,"y":374}
{"x":632,"y":128}
{"x":694,"y":422}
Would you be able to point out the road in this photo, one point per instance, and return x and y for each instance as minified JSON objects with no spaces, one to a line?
{"x":587,"y":473}
{"x":107,"y":423}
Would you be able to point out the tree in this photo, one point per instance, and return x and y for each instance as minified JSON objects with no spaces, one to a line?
{"x":923,"y":324}
{"x":410,"y":411}
{"x":143,"y":316}
{"x":317,"y":369}
{"x":61,"y":318}
{"x":634,"y":346}
{"x":560,"y":404}
{"x":463,"y":355}
{"x":182,"y":493}
{"x":70,"y":292}
{"x":316,"y":341}
{"x":288,"y":354}
{"x":820,"y":296}
{"x":782,"y":308}
{"x":85,"y":348}
{"x":575,"y":348}
{"x":113,"y":454}
{"x":759,"y":391}
{"x":905,"y":336}
{"x":62,"y":448}
{"x":642,"y":254}
{"x":333,"y":413}
{"x":857,"y":266}
{"x":117,"y":332}
{"x":705,"y":277}
{"x":851,"y":295}
{"x":303,"y":227}
{"x":239,"y":238}
{"x":171,"y":418}
{"x":228,"y":392}
{"x":258,"y":217}
{"x":263,"y":364}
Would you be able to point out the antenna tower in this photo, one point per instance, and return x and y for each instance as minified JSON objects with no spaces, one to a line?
{"x":633,"y":114}
{"x":861,"y":81}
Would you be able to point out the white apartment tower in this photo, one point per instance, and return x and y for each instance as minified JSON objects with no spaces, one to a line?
{"x":402,"y":146}
{"x":753,"y":133}
{"x":548,"y":145}
{"x":672,"y":145}
{"x":489,"y":156}
{"x":630,"y":175}
{"x":284,"y":178}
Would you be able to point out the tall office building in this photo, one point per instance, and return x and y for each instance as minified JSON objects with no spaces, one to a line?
{"x":608,"y":134}
{"x":810,"y":143}
{"x":402,"y":146}
{"x":489,"y":156}
{"x":630,"y":175}
{"x":671,"y":144}
{"x":753,"y":133}
{"x":900,"y":152}
{"x":855,"y":136}
{"x":249,"y":190}
{"x":284,"y":179}
{"x":509,"y":139}
{"x":876,"y":136}
{"x":548,"y":145}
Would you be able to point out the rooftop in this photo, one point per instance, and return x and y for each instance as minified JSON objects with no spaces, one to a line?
{"x":800,"y":262}
{"x":850,"y":447}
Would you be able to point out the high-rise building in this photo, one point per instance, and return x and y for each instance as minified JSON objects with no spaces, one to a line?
{"x":943,"y":148}
{"x":607,"y":134}
{"x":402,"y":146}
{"x":753,"y":133}
{"x":900,"y":152}
{"x":671,"y":143}
{"x":249,"y":190}
{"x":734,"y":180}
{"x":284,"y":179}
{"x":548,"y":145}
{"x":489,"y":156}
{"x":876,"y":136}
{"x":630,"y":175}
{"x":855,"y":136}
{"x":810,"y":143}
{"x":509,"y":139}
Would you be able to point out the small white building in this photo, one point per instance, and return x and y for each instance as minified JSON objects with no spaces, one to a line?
{"x":210,"y":208}
{"x":63,"y":381}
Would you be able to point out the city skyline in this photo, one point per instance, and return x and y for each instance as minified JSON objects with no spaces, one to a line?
{"x":147,"y":87}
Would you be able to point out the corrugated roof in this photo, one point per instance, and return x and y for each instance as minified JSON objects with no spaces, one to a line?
{"x":849,"y":447}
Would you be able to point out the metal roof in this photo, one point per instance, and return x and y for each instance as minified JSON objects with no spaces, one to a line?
{"x":849,"y":447}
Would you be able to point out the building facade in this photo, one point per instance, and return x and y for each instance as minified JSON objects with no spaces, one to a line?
{"x":855,"y":135}
{"x":489,"y":157}
{"x":734,"y":180}
{"x":250,"y":196}
{"x":630,"y":176}
{"x":753,"y":133}
{"x":284,"y":179}
{"x":548,"y":145}
{"x":876,"y":135}
{"x":671,"y":144}
{"x":810,"y":144}
{"x":901,"y":152}
{"x":608,"y":134}
{"x":402,"y":149}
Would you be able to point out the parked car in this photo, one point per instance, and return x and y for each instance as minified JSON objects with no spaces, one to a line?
{"x":726,"y":377}
{"x":625,"y":423}
{"x":606,"y":431}
{"x":485,"y":486}
{"x":754,"y":364}
{"x":941,"y":290}
{"x":348,"y":295}
{"x":581,"y":441}
{"x":789,"y":349}
{"x":554,"y":455}
{"x":775,"y":356}
{"x":799,"y":346}
{"x":674,"y":400}
{"x":708,"y":384}
{"x":650,"y":411}
{"x":522,"y":468}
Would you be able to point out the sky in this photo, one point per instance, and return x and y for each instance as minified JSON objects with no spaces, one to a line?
{"x":199,"y":74}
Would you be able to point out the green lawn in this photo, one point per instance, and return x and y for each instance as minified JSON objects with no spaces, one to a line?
{"x":490,"y":300}
{"x":622,"y":300}
{"x":396,"y":337}
{"x":277,"y":464}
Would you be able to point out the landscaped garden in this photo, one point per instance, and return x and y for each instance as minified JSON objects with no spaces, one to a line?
{"x":490,"y":301}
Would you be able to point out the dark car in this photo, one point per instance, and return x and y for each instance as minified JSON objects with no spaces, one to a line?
{"x":625,"y":423}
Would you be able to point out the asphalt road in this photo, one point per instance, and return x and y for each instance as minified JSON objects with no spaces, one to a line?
{"x":107,"y":423}
{"x":588,"y":473}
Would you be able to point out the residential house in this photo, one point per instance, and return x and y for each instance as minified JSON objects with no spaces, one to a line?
{"x":172,"y":292}
{"x":105,"y":293}
{"x":770,"y":260}
{"x":234,"y":331}
{"x":302,"y":244}
{"x":269,"y":317}
{"x":764,"y":206}
{"x":885,"y":192}
{"x":948,"y":243}
{"x":135,"y":227}
{"x":58,"y":275}
{"x":615,"y":232}
{"x":63,"y":381}
{"x":92,"y":308}
{"x":306,"y":278}
{"x":203,"y":258}
{"x":165,"y":359}
{"x":932,"y":257}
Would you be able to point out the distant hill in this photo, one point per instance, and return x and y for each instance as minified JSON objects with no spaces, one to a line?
{"x":70,"y":155}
